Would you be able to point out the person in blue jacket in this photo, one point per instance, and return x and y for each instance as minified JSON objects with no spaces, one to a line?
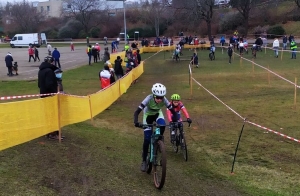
{"x":56,"y":56}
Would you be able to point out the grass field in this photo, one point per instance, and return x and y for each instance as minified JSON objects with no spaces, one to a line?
{"x":104,"y":159}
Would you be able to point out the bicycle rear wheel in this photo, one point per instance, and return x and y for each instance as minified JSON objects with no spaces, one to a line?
{"x":183,"y":146}
{"x":149,"y":164}
{"x":159,"y":164}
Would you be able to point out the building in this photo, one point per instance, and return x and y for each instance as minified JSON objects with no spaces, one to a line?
{"x":51,"y":8}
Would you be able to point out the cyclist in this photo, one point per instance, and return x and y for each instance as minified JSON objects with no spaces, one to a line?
{"x":178,"y":106}
{"x":152,"y":105}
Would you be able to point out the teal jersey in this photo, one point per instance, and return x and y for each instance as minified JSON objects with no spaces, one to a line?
{"x":151,"y":107}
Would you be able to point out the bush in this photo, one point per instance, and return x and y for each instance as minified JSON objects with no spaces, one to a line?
{"x":275,"y":31}
{"x":94,"y":32}
{"x":230,"y":21}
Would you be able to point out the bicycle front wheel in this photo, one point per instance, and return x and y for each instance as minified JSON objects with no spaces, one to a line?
{"x":183,"y":146}
{"x":159,"y":165}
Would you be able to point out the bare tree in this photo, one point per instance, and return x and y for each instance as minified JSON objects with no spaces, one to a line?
{"x":90,"y":13}
{"x":196,"y":10}
{"x":244,"y":7}
{"x":24,"y":16}
{"x":153,"y":12}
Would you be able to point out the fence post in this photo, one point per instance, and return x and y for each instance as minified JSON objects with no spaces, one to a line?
{"x":281,"y":53}
{"x":91,"y":111}
{"x":269,"y":75}
{"x":295,"y":94}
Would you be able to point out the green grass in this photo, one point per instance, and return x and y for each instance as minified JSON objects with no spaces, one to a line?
{"x":104,"y":159}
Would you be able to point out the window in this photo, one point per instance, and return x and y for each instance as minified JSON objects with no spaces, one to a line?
{"x":48,"y":8}
{"x":15,"y":38}
{"x":20,"y":38}
{"x":42,"y":8}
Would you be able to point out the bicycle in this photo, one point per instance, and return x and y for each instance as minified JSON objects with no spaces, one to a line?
{"x":179,"y":138}
{"x":156,"y":158}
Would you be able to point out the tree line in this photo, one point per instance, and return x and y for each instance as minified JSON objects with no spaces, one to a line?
{"x":94,"y":18}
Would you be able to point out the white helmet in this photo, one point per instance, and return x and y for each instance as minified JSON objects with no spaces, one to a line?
{"x":159,"y":90}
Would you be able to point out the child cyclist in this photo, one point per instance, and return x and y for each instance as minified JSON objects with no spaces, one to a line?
{"x":152,"y":105}
{"x":178,"y":106}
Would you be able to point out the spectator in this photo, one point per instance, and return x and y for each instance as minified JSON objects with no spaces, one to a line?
{"x":118,"y":68}
{"x":113,"y":47}
{"x":106,"y":56}
{"x":133,"y":45}
{"x":89,"y":53}
{"x":291,"y":38}
{"x":230,"y":52}
{"x":56,"y":56}
{"x":36,"y":54}
{"x":47,"y":84}
{"x":9,"y":64}
{"x":138,"y":56}
{"x":58,"y":74}
{"x":105,"y":40}
{"x":195,"y":60}
{"x":284,"y":42}
{"x":117,"y":43}
{"x":95,"y":53}
{"x":72,"y":46}
{"x":241,"y":47}
{"x":98,"y":50}
{"x":30,"y":53}
{"x":293,"y":48}
{"x":222,"y":41}
{"x":49,"y":48}
{"x":104,"y":77}
{"x":112,"y":75}
{"x":276,"y":47}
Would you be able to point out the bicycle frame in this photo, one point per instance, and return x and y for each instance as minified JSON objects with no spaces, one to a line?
{"x":154,"y":137}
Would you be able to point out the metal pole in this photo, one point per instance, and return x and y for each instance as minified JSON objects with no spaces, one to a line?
{"x":125,"y":33}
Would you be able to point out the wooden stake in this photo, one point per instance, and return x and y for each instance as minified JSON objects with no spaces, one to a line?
{"x":281,"y":53}
{"x":269,"y":75}
{"x":191,"y":84}
{"x":91,"y":111}
{"x":295,"y":94}
{"x":252,"y":66}
{"x":59,"y":120}
{"x":265,"y":49}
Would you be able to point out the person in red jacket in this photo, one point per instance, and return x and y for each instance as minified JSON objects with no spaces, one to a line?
{"x":178,"y":106}
{"x":31,"y":53}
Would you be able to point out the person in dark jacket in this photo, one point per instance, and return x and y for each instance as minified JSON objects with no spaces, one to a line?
{"x":36,"y":54}
{"x":95,"y":54}
{"x":47,"y":82}
{"x":230,"y":52}
{"x":56,"y":56}
{"x":259,"y":43}
{"x":138,"y":56}
{"x":9,"y":63}
{"x":118,"y":68}
{"x":106,"y":56}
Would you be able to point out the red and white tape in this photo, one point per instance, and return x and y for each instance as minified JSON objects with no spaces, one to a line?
{"x":276,"y":132}
{"x":25,"y":96}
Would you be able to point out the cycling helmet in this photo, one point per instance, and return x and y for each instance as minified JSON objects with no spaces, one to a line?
{"x":159,"y":90}
{"x":175,"y":97}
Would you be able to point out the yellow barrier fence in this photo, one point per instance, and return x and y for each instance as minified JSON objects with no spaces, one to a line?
{"x":22,"y":121}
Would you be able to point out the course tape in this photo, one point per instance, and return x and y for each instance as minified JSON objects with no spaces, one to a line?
{"x":218,"y":99}
{"x":268,"y":70}
{"x":153,"y":54}
{"x":276,"y":132}
{"x":265,"y":128}
{"x":37,"y":95}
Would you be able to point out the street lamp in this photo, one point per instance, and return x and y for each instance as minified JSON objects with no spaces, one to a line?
{"x":125,"y":33}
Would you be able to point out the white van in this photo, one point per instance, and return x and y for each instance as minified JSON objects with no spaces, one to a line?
{"x":25,"y":40}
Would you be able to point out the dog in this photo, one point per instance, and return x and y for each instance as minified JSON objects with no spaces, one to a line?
{"x":15,"y":68}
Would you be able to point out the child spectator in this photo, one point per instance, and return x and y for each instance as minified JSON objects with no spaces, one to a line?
{"x":58,"y":74}
{"x":30,"y":53}
{"x":104,"y":77}
{"x":195,"y":59}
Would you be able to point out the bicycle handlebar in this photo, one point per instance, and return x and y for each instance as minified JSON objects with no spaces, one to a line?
{"x":143,"y":126}
{"x":181,"y":122}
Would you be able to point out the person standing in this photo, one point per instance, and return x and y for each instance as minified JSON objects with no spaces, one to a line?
{"x":98,"y":50}
{"x":293,"y":48}
{"x":56,"y":56}
{"x":49,"y":48}
{"x":31,"y":53}
{"x":72,"y":46}
{"x":118,"y":68}
{"x":47,"y":84}
{"x":36,"y":54}
{"x":230,"y":52}
{"x":104,"y":77}
{"x":89,"y":53}
{"x":117,"y":43}
{"x":284,"y":42}
{"x":276,"y":47}
{"x":94,"y":53}
{"x":9,"y":64}
{"x":138,"y":57}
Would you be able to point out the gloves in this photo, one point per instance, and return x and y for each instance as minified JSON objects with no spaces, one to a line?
{"x":189,"y":120}
{"x":137,"y":124}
